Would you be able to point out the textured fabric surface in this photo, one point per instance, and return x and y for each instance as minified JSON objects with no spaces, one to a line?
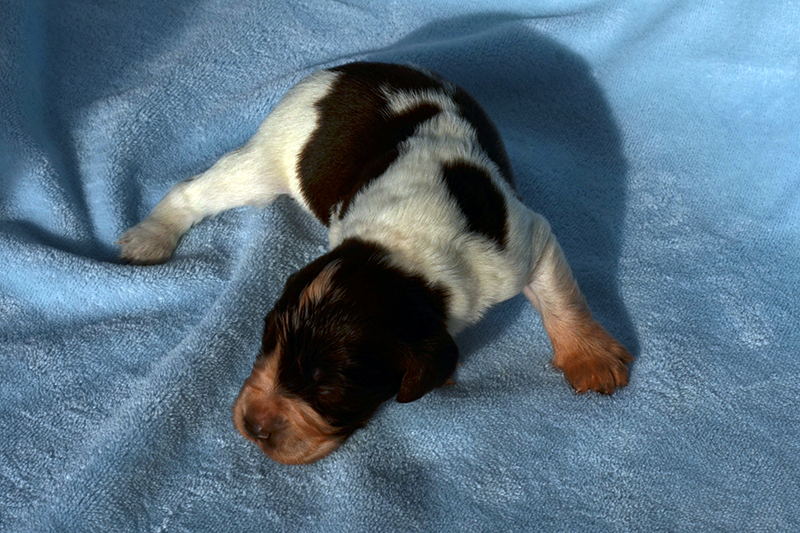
{"x":661,"y":139}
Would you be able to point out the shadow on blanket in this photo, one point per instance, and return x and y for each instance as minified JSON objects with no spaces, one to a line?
{"x":575,"y":175}
{"x":64,"y":74}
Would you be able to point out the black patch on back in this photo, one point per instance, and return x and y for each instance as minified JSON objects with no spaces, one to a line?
{"x":405,"y":78}
{"x":358,"y":138}
{"x":479,"y":200}
{"x":375,"y":332}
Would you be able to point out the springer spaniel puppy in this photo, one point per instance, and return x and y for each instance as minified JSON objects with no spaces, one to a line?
{"x":426,"y":233}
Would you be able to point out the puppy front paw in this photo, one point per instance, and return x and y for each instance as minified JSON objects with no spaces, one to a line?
{"x":593,"y":360}
{"x":148,"y":243}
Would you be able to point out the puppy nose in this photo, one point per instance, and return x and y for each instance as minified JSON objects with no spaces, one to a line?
{"x":262,"y":429}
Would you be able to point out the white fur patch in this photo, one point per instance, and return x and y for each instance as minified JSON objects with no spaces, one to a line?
{"x":284,"y":133}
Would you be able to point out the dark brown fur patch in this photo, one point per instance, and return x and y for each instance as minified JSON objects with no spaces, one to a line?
{"x":358,"y":137}
{"x":374,"y":333}
{"x":478,"y":199}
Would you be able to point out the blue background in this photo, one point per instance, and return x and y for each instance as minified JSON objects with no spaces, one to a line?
{"x":661,"y":139}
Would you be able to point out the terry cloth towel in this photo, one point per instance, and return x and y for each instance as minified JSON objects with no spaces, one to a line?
{"x":661,"y":140}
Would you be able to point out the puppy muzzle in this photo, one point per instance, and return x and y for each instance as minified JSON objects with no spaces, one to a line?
{"x":286,"y":429}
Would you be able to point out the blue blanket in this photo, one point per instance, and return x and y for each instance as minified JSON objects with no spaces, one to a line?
{"x":661,"y":140}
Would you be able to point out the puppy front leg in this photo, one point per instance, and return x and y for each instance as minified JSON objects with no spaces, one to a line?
{"x":241,"y":177}
{"x":587,"y":354}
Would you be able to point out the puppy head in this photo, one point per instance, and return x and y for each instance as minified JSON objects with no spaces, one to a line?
{"x":348,"y":333}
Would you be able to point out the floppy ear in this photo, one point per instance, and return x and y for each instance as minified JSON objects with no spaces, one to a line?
{"x":427,"y":366}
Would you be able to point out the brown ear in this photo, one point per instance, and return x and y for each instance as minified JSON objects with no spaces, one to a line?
{"x":270,"y":337}
{"x":428,"y":366}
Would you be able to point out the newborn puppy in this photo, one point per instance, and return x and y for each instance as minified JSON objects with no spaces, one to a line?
{"x":426,"y":233}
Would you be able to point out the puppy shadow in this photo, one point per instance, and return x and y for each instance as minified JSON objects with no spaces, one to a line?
{"x":564,"y":145}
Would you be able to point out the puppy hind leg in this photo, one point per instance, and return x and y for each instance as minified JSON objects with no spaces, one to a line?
{"x":242,"y":177}
{"x":589,"y":356}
